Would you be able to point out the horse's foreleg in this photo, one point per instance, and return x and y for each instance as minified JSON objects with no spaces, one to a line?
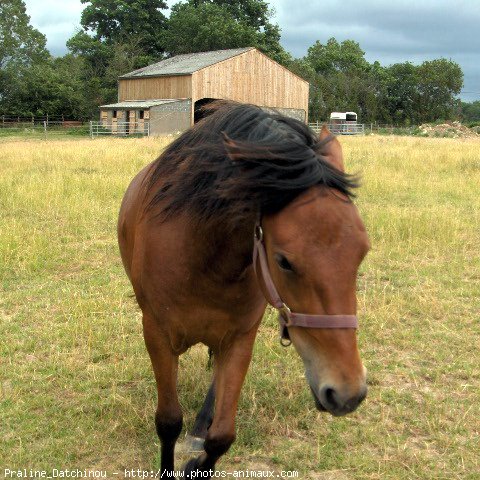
{"x":231,"y":366}
{"x":168,"y":417}
{"x":197,"y":435}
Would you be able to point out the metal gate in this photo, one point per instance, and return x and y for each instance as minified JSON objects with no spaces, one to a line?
{"x":120,"y":129}
{"x":344,"y":128}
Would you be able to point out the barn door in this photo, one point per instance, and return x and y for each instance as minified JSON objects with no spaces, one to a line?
{"x":116,"y":117}
{"x":130,"y":121}
{"x":141,"y":120}
{"x":127,"y":122}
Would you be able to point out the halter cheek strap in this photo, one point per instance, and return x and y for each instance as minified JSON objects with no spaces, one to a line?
{"x":286,"y":317}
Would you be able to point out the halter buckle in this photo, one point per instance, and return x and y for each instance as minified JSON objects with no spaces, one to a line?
{"x":258,"y":232}
{"x":285,"y":312}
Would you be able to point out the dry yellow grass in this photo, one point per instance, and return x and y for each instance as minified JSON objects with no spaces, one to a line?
{"x":76,"y":385}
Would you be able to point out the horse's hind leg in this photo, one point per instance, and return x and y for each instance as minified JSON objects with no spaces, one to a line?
{"x":231,"y":366}
{"x":196,"y":438}
{"x":168,"y":417}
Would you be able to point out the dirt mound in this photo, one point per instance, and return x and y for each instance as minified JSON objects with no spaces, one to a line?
{"x":449,"y":129}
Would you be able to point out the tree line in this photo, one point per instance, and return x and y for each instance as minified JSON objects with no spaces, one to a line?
{"x":118,"y":36}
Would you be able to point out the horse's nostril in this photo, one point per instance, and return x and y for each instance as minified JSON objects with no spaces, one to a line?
{"x":328,"y":398}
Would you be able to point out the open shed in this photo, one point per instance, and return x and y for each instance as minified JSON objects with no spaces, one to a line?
{"x":149,"y":117}
{"x":169,"y":94}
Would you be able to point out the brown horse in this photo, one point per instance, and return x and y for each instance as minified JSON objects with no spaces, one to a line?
{"x":186,"y":235}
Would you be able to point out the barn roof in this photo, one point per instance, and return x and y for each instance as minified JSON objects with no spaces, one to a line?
{"x":141,"y":104}
{"x":185,"y":64}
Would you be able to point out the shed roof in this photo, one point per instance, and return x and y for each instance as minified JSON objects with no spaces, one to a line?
{"x":142,"y":104}
{"x":185,"y":64}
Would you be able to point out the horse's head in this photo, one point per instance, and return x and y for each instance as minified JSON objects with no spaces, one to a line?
{"x":314,"y":247}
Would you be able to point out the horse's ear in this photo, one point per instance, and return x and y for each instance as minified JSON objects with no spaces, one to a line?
{"x":329,"y":148}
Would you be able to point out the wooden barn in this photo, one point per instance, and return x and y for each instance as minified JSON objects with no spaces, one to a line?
{"x":167,"y":96}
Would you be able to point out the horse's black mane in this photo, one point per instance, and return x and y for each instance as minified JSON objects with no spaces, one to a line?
{"x":241,"y":160}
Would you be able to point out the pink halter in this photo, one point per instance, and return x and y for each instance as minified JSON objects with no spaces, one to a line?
{"x":286,"y":317}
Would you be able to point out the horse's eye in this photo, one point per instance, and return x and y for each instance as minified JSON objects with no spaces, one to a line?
{"x":283,"y":263}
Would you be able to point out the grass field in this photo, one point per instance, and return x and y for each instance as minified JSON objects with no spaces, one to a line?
{"x":76,"y":384}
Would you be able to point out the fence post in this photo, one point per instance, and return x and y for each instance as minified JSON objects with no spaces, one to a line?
{"x":45,"y":129}
{"x":91,"y":129}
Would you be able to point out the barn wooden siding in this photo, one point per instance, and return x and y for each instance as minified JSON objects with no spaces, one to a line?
{"x":179,"y":86}
{"x":249,"y":77}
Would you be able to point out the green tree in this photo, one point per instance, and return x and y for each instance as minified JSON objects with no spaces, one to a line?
{"x":346,"y":57}
{"x":402,"y":93}
{"x":103,"y":64}
{"x":376,"y":94}
{"x":117,"y":21}
{"x":423,"y":93}
{"x":342,"y":80}
{"x":19,"y":41}
{"x":255,"y":13}
{"x":52,"y":87}
{"x":439,"y":82}
{"x":202,"y":25}
{"x":118,"y":36}
{"x":471,"y":111}
{"x":21,"y":46}
{"x":95,"y":52}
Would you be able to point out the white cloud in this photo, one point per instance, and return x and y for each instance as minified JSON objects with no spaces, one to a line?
{"x":57,"y":20}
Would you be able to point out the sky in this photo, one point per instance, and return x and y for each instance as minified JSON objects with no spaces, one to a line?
{"x":388,"y":31}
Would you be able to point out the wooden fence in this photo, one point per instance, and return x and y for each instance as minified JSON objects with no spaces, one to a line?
{"x":7,"y":121}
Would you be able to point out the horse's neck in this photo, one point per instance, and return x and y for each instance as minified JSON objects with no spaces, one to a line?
{"x":223,"y":251}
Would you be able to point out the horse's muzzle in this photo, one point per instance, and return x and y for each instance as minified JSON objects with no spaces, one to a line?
{"x":330,"y":400}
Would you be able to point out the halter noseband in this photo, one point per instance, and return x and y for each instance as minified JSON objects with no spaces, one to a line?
{"x":286,"y":317}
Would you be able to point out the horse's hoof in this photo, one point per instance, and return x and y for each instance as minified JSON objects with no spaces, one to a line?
{"x":190,"y":467}
{"x":194,"y":444}
{"x":191,"y":445}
